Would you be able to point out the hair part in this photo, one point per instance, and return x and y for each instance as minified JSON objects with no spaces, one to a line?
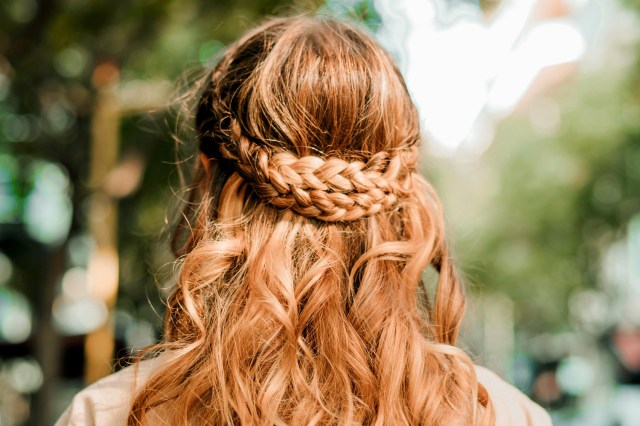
{"x":282,"y":317}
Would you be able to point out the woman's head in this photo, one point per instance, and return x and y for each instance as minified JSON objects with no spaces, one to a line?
{"x":310,"y":86}
{"x":315,"y":115}
{"x":306,"y":233}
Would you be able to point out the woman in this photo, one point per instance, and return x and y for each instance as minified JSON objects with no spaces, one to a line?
{"x":299,"y":299}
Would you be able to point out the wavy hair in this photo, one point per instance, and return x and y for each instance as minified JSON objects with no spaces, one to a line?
{"x":299,"y":298}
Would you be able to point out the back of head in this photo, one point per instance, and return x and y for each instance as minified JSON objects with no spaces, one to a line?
{"x":308,"y":229}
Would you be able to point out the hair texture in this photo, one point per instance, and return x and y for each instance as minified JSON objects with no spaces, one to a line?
{"x":299,"y":299}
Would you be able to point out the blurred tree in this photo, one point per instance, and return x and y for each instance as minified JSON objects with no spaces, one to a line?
{"x":560,"y":183}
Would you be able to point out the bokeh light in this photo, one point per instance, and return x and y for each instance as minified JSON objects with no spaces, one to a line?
{"x":15,"y":316}
{"x":48,"y":212}
{"x":75,"y":310}
{"x":23,"y":374}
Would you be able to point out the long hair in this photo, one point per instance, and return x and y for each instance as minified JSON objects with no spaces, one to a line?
{"x":299,"y":298}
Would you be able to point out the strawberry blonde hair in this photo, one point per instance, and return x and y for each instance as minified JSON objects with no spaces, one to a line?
{"x":308,"y":227}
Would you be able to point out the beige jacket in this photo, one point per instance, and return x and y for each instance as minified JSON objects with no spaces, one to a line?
{"x":107,"y":402}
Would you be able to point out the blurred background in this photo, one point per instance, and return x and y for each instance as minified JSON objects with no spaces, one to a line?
{"x":531,"y":114}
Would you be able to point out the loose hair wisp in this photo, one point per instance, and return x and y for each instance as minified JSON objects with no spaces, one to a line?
{"x":308,"y":228}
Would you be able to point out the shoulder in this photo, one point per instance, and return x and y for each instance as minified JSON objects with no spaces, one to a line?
{"x":512,"y":407}
{"x":107,"y":401}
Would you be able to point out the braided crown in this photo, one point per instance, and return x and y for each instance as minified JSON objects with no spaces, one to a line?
{"x":330,"y":189}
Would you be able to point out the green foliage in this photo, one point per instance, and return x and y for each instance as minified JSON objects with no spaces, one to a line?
{"x":358,"y":11}
{"x":633,"y":4}
{"x":535,"y":213}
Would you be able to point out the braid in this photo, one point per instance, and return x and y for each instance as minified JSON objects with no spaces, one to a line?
{"x":329,"y":189}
